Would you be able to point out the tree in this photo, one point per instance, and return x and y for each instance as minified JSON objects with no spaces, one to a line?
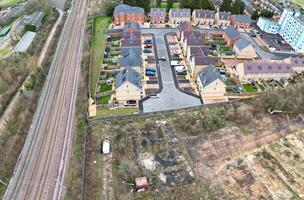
{"x":205,"y":4}
{"x":226,"y":5}
{"x":145,"y":4}
{"x":237,"y":7}
{"x":158,"y":3}
{"x":255,"y":15}
{"x":169,"y":4}
{"x":110,"y":8}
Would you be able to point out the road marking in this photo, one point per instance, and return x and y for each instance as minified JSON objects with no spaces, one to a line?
{"x":168,"y":82}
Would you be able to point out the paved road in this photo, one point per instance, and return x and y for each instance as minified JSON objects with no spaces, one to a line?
{"x":46,"y":152}
{"x":170,"y":97}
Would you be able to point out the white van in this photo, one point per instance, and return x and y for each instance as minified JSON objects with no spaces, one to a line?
{"x":106,"y":147}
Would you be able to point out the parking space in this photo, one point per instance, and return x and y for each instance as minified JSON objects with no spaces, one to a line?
{"x":169,"y":97}
{"x":150,"y":70}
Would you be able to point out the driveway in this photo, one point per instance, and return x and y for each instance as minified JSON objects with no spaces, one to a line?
{"x":169,"y":97}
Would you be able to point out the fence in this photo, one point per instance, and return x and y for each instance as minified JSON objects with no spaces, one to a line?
{"x":96,"y":120}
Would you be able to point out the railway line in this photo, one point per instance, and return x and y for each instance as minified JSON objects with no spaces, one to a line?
{"x":43,"y":161}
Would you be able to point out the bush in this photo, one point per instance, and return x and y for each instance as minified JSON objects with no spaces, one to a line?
{"x":30,"y":27}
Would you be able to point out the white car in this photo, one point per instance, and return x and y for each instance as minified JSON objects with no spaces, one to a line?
{"x":106,"y":147}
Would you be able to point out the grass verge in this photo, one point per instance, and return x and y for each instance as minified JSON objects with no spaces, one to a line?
{"x":99,"y":41}
{"x":249,"y":88}
{"x":8,"y":3}
{"x":118,"y":111}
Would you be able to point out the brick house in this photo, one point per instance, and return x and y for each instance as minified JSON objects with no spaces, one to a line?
{"x":179,"y":15}
{"x":222,"y":18}
{"x":125,"y":13}
{"x":231,"y":36}
{"x":158,"y":15}
{"x":240,"y":21}
{"x":203,"y":17}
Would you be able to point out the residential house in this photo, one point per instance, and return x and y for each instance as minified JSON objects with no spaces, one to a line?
{"x":128,"y":89}
{"x":297,"y":62}
{"x":203,"y":17}
{"x":248,"y":72}
{"x":196,"y":51}
{"x":158,"y":15}
{"x":240,"y":21}
{"x":125,"y":13}
{"x":184,"y":27}
{"x":210,"y":83}
{"x":132,"y":27}
{"x":198,"y":63}
{"x":244,"y":49}
{"x":222,"y":19}
{"x":192,"y":42}
{"x":131,"y":58}
{"x":179,"y":15}
{"x":231,"y":36}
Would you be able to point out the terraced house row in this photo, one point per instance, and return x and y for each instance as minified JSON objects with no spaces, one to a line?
{"x":125,"y":13}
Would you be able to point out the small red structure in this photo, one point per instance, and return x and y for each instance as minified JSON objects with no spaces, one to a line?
{"x":141,"y":183}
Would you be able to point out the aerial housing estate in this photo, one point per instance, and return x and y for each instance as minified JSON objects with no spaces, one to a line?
{"x":290,"y":27}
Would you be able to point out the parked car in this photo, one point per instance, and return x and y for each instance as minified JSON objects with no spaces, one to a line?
{"x":154,"y":95}
{"x":150,"y":73}
{"x":147,"y":51}
{"x":151,"y":69}
{"x":148,"y":46}
{"x":236,"y":90}
{"x":148,"y":41}
{"x":162,"y":58}
{"x":106,"y":147}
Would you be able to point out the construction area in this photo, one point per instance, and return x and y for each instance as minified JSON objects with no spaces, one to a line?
{"x":228,"y":152}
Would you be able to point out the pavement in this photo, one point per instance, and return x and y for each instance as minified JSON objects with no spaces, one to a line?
{"x":170,"y":97}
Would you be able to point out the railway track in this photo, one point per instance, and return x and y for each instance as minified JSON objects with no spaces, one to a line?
{"x":44,"y":158}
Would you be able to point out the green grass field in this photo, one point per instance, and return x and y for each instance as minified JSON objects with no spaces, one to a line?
{"x":8,"y":3}
{"x":101,"y":26}
{"x":249,"y":88}
{"x":105,"y":87}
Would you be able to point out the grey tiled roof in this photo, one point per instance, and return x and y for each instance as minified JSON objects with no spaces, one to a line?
{"x":180,"y":12}
{"x":185,"y":25}
{"x":198,"y":51}
{"x":231,"y":32}
{"x":158,"y":12}
{"x":37,"y":17}
{"x":206,"y":14}
{"x":192,"y":34}
{"x":131,"y":43}
{"x":242,"y":43}
{"x":204,"y":60}
{"x":123,"y":9}
{"x":242,"y":18}
{"x":131,"y":35}
{"x":209,"y":75}
{"x":224,"y":15}
{"x":130,"y":75}
{"x":132,"y":25}
{"x":267,"y":67}
{"x":131,"y":57}
{"x":195,"y":42}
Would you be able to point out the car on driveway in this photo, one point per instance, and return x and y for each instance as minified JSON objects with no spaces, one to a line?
{"x":150,"y":73}
{"x":147,"y":51}
{"x":151,"y":69}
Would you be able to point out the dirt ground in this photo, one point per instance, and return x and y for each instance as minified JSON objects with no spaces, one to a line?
{"x":237,"y":161}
